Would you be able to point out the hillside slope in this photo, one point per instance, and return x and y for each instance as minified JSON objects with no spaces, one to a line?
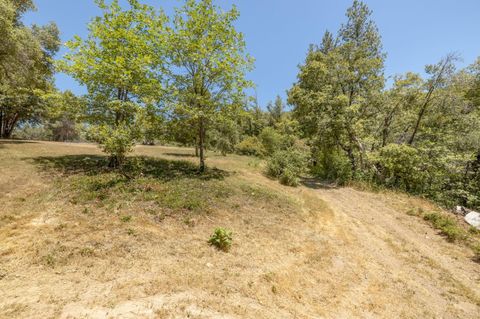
{"x":79,"y":242}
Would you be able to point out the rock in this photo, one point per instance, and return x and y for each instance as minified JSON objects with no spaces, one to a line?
{"x":460,"y":210}
{"x":473,"y":218}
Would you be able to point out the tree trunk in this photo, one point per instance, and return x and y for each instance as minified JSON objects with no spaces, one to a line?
{"x":420,"y":115}
{"x":8,"y":125}
{"x":201,"y":144}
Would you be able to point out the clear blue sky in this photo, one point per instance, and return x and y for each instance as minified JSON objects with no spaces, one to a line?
{"x":278,"y":32}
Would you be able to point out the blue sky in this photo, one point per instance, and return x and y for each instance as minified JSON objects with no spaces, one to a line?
{"x":278,"y":32}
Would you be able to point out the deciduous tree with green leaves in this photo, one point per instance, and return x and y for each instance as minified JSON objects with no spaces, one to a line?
{"x":26,"y":65}
{"x":209,"y":65}
{"x":121,"y":64}
{"x":338,"y":88}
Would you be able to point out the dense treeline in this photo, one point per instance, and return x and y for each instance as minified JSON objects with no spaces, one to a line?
{"x":182,"y":79}
{"x":420,"y":135}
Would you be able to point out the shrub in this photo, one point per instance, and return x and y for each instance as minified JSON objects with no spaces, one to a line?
{"x":117,"y":141}
{"x":221,"y":238}
{"x":251,"y":146}
{"x":287,"y":166}
{"x":271,"y":140}
{"x":332,"y":165}
{"x":399,"y":166}
{"x":447,"y":225}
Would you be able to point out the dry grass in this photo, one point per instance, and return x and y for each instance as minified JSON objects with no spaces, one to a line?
{"x":79,"y":241}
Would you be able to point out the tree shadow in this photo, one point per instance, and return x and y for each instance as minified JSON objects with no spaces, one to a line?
{"x":315,"y":183}
{"x":139,"y":166}
{"x":179,"y":155}
{"x":15,"y":142}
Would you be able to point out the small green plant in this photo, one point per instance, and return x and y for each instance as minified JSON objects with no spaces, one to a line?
{"x":221,"y":238}
{"x":126,"y":219}
{"x":86,"y":252}
{"x":446,"y":225}
{"x":131,"y":232}
{"x":474,"y":231}
{"x":49,"y":260}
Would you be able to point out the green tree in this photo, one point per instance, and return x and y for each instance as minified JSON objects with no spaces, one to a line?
{"x":63,"y":115}
{"x":120,"y":64}
{"x":339,"y":87}
{"x":26,"y":65}
{"x":276,"y":110}
{"x":209,"y":65}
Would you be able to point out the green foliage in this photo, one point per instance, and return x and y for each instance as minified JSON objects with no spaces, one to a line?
{"x":339,"y":85}
{"x":400,"y":166}
{"x":447,"y":225}
{"x":221,"y":239}
{"x":116,"y":141}
{"x":118,"y":62}
{"x":287,"y":165}
{"x":224,"y":135}
{"x":251,"y":146}
{"x":209,"y":66}
{"x":271,"y":140}
{"x":331,"y":165}
{"x":26,"y":65}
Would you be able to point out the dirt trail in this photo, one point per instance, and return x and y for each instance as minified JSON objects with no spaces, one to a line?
{"x":387,"y":264}
{"x":342,"y":253}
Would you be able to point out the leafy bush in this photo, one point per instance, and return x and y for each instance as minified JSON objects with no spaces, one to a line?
{"x":271,"y":140}
{"x":221,"y":238}
{"x":447,"y":225}
{"x":117,"y":141}
{"x":332,"y":165}
{"x":251,"y":146}
{"x":287,"y":165}
{"x":400,"y":166}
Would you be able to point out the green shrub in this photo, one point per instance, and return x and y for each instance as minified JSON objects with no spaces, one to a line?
{"x":332,"y":165}
{"x":251,"y":146}
{"x":271,"y":140}
{"x":447,"y":225}
{"x":287,"y":166}
{"x":221,"y":238}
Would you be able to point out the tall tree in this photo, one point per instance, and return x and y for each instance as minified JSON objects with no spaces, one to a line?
{"x":439,"y":73}
{"x":276,"y":110}
{"x":209,"y":65}
{"x":120,"y":64}
{"x":26,"y":65}
{"x":338,"y":89}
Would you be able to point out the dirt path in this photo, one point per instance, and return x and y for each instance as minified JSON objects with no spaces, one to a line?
{"x":387,"y":264}
{"x":342,"y":253}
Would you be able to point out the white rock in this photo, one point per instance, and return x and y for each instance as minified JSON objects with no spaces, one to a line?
{"x":473,"y":218}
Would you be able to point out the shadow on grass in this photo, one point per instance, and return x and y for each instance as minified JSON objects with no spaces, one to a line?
{"x":315,"y":183}
{"x":179,"y":155}
{"x":15,"y":142}
{"x":139,"y":166}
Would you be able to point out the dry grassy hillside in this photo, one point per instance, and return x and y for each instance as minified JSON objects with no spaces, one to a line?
{"x":79,"y":241}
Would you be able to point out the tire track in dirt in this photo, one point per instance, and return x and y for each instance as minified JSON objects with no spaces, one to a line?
{"x":384,"y":263}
